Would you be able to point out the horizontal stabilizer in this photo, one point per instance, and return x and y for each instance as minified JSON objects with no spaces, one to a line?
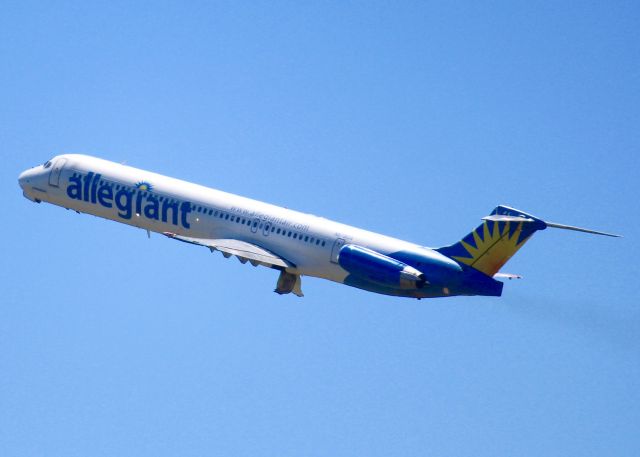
{"x":579,"y":229}
{"x":509,"y":218}
{"x":506,"y":276}
{"x":505,"y":218}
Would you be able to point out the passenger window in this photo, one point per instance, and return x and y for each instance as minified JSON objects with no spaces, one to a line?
{"x":295,"y":236}
{"x":323,"y":243}
{"x":226,"y":217}
{"x":289,"y":234}
{"x":306,"y":238}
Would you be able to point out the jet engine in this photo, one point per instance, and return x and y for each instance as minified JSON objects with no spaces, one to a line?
{"x":380,"y":269}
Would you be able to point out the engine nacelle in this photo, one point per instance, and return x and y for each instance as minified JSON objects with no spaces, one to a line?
{"x":380,"y":269}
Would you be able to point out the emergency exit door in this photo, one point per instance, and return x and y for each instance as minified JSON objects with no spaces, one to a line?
{"x":336,"y":249}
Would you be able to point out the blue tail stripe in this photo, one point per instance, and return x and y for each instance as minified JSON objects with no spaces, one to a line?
{"x":512,"y":229}
{"x":490,"y":226}
{"x":470,"y":240}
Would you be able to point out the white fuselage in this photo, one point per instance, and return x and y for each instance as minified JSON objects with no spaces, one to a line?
{"x":157,"y":203}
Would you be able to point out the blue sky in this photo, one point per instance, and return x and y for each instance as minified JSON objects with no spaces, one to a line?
{"x":411,"y":119}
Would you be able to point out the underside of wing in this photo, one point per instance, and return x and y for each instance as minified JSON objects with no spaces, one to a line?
{"x":241,"y":249}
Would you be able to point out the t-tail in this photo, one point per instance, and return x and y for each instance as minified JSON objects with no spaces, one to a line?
{"x":499,"y":237}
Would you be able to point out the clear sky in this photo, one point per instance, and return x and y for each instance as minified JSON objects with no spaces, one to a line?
{"x":413,"y":119}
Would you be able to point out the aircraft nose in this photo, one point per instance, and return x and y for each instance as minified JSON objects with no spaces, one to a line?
{"x":26,"y":178}
{"x":22,"y":179}
{"x":27,"y":181}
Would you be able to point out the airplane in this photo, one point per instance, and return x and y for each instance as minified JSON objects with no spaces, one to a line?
{"x":294,"y":243}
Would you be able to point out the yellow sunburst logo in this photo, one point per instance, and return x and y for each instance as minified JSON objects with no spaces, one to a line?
{"x":144,"y":185}
{"x":493,"y":246}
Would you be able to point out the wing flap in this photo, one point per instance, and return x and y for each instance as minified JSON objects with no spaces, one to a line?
{"x":241,"y":249}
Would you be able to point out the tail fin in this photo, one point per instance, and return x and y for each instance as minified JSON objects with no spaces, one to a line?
{"x":498,"y":238}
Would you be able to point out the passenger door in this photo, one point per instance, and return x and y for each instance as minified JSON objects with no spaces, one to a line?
{"x":54,"y":175}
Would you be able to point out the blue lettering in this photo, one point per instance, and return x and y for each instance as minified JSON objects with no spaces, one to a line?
{"x":90,"y":189}
{"x":185,"y":209}
{"x":151,"y":208}
{"x":105,"y":195}
{"x":94,"y":185}
{"x":125,"y":206}
{"x":139,"y":202}
{"x":170,"y":205}
{"x":74,"y":189}
{"x":87,"y":183}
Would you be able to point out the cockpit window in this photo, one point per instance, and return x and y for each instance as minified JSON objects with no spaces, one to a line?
{"x":47,"y":164}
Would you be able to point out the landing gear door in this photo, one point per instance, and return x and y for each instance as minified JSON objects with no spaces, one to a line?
{"x":54,"y":176}
{"x":336,"y":249}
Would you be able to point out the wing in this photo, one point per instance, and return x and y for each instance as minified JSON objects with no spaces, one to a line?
{"x":241,"y":249}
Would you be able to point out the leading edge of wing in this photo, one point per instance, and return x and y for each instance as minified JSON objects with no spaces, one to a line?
{"x":241,"y":249}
